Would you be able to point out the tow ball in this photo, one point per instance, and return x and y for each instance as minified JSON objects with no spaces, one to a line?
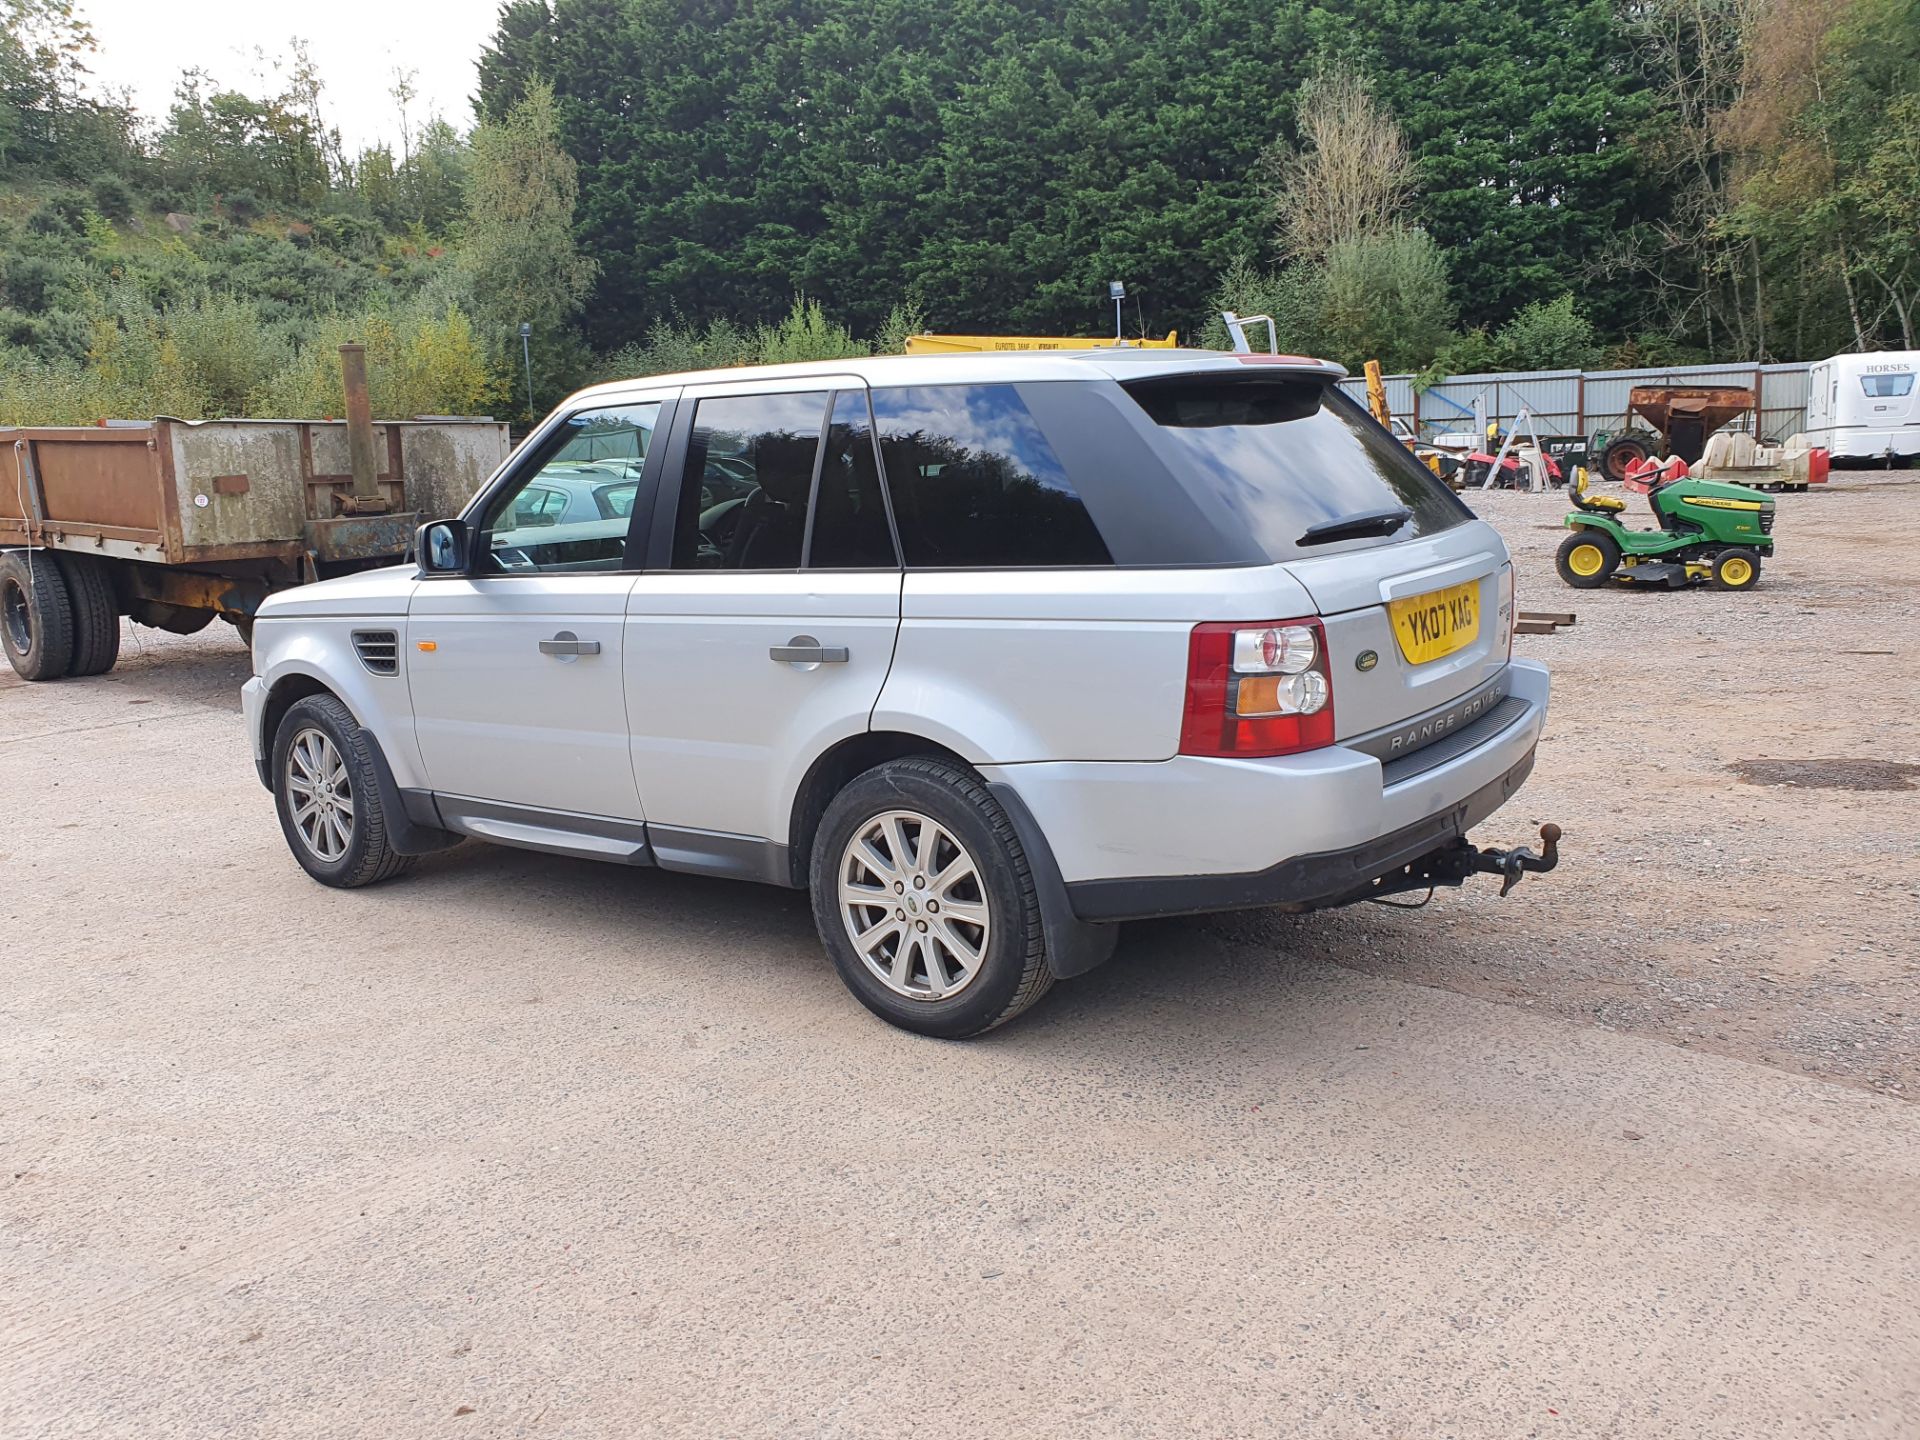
{"x":1510,"y":865}
{"x":1459,"y":862}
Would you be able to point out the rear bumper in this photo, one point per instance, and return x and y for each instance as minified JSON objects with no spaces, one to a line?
{"x":1192,"y":834}
{"x":1306,"y":882}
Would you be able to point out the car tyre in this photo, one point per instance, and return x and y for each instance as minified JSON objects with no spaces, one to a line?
{"x":96,"y":615}
{"x":327,"y":792}
{"x":36,"y":615}
{"x":1587,"y":559}
{"x":910,"y":832}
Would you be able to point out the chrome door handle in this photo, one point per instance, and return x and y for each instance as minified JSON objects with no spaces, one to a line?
{"x":805,"y":650}
{"x":567,"y":643}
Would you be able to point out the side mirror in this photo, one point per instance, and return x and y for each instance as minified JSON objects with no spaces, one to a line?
{"x":442,"y":547}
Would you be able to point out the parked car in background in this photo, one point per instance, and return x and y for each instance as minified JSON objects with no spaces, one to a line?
{"x":988,"y":652}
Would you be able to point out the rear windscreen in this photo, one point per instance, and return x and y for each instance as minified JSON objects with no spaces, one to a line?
{"x":1280,"y":456}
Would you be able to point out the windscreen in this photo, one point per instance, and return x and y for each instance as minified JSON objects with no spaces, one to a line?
{"x":1281,"y":456}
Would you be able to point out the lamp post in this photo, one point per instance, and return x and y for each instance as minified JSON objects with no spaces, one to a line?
{"x":1117,"y":292}
{"x":526,"y":356}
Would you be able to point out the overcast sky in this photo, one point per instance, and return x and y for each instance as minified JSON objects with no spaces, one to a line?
{"x":356,"y":45}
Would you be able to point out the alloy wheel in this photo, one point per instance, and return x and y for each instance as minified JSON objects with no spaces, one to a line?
{"x":319,"y":794}
{"x":914,"y":905}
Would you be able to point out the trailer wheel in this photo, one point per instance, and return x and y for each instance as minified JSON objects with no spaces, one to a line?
{"x":36,"y":615}
{"x":96,"y":615}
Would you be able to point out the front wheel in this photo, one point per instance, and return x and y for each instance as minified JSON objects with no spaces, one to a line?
{"x":1587,"y":559}
{"x":328,"y":796}
{"x":925,"y":902}
{"x":1736,"y":569}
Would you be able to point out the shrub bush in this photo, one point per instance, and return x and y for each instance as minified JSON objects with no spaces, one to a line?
{"x":420,"y":361}
{"x":805,"y":334}
{"x":64,"y":213}
{"x":241,"y":206}
{"x":113,"y":197}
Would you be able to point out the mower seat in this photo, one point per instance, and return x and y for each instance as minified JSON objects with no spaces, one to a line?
{"x":1595,"y":504}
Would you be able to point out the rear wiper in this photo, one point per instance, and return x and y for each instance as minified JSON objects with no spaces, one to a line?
{"x":1355,"y":527}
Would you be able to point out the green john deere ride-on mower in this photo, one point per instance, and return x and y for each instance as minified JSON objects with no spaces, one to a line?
{"x":1709,"y":530}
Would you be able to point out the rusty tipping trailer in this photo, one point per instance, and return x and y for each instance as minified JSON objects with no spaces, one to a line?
{"x":1683,"y":418}
{"x":174,"y":522}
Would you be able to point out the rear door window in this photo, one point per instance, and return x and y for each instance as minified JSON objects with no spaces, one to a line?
{"x":1279,"y":456}
{"x":975,"y":483}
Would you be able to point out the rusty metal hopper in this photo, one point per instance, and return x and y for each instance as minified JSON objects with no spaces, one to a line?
{"x":1684,"y":416}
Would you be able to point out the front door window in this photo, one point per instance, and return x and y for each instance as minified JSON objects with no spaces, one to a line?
{"x":573,"y":511}
{"x":748,"y":482}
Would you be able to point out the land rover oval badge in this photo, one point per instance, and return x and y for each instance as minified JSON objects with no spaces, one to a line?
{"x":1365,"y":660}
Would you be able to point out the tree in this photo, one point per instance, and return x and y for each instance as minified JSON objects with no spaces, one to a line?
{"x":1386,"y":299}
{"x":217,"y":141}
{"x":1352,"y":177}
{"x":1522,"y":121}
{"x":48,"y":121}
{"x":520,"y":53}
{"x":1548,"y":335}
{"x":517,"y":255}
{"x":1821,"y":148}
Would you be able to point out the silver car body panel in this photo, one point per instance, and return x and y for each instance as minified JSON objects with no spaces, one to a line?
{"x":1065,"y":685}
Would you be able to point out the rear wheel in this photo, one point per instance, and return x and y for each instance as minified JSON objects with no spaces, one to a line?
{"x":1623,"y":452}
{"x":1587,"y":559}
{"x":36,"y":615}
{"x":1737,"y":569}
{"x":925,"y":902}
{"x":96,"y":615}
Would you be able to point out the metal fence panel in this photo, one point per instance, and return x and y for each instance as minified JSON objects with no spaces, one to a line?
{"x":1783,"y":400}
{"x":1570,"y":402}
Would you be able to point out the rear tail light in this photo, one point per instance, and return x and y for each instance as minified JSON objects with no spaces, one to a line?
{"x":1257,"y":690}
{"x":1507,"y":602}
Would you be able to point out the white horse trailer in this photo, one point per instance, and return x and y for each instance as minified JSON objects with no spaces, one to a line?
{"x":1866,"y":407}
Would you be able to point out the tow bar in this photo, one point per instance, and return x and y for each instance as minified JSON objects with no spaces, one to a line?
{"x":1512,"y":864}
{"x":1459,"y":862}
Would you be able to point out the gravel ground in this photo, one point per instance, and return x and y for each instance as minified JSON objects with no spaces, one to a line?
{"x":526,"y":1146}
{"x":1738,"y":777}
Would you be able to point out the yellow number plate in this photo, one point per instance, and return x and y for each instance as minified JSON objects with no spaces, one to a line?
{"x":1437,"y":623}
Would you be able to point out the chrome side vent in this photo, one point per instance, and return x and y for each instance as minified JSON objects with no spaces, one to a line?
{"x":379,"y":650}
